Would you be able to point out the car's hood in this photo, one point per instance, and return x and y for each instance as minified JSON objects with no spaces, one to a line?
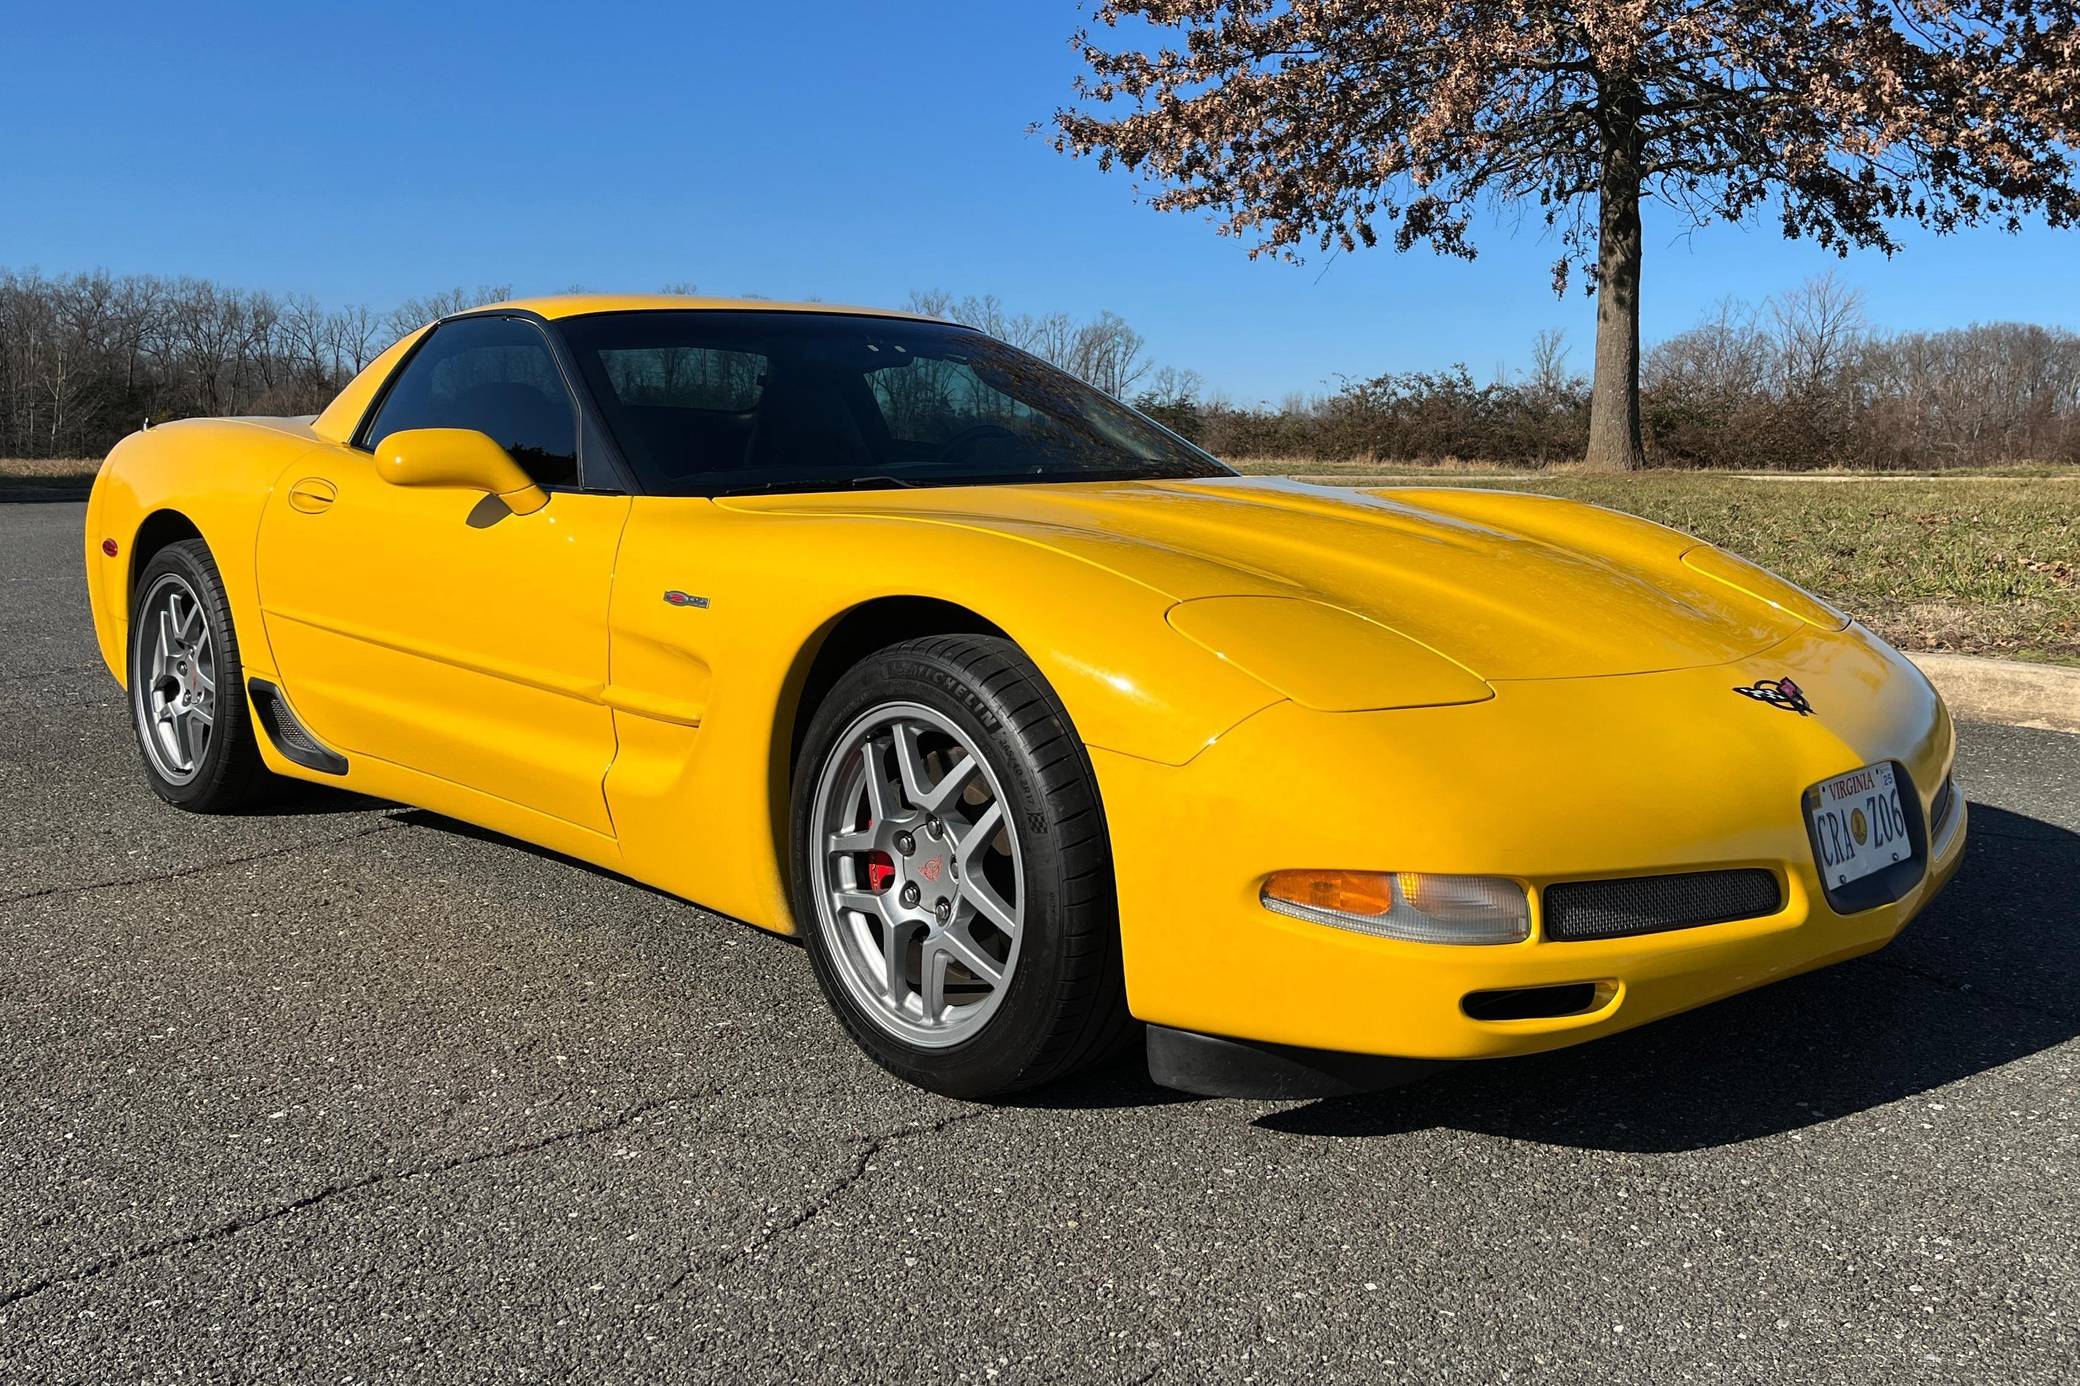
{"x":1509,"y":586}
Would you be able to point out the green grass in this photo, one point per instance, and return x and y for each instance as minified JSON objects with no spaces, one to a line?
{"x":1984,"y":564}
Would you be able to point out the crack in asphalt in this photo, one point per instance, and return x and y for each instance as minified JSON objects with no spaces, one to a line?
{"x":174,"y":1245}
{"x":862,"y":1164}
{"x":198,"y":868}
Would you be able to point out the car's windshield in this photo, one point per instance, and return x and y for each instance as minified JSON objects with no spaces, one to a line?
{"x":717,"y":402}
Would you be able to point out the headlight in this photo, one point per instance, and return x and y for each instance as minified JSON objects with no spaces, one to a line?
{"x":1405,"y":904}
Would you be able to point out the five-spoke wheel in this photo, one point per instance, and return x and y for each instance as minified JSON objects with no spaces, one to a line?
{"x":951,"y":873}
{"x":187,"y":688}
{"x":177,"y":691}
{"x":920,"y":873}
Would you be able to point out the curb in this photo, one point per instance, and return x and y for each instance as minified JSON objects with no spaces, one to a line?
{"x":2044,"y":696}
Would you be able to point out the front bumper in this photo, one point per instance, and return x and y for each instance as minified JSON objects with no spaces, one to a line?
{"x":1550,"y":781}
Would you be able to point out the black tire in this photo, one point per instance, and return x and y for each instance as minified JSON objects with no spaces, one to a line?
{"x":1064,"y":1005}
{"x":229,"y":772}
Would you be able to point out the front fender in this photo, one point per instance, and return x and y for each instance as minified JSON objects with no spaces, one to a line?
{"x":703,"y":685}
{"x":214,"y":474}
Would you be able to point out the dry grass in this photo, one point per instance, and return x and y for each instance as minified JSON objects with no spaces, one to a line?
{"x":39,"y":478}
{"x":46,"y":468}
{"x":1366,"y":470}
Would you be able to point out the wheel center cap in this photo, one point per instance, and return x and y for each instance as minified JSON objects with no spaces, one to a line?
{"x":933,"y":868}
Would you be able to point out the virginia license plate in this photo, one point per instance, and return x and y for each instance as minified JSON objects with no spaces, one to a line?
{"x":1858,"y":827}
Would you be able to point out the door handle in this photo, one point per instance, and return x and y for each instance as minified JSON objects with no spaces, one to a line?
{"x":313,"y":495}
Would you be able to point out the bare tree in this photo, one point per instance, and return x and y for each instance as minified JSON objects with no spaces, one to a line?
{"x":353,"y":336}
{"x":1109,"y":354}
{"x":1549,"y":377}
{"x":415,"y":313}
{"x":1104,"y":351}
{"x":1820,"y":327}
{"x":1172,"y":386}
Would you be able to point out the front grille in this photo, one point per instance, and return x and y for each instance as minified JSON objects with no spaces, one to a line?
{"x":1578,"y":910}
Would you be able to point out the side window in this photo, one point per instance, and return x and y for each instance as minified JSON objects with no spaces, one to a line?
{"x":494,"y":375}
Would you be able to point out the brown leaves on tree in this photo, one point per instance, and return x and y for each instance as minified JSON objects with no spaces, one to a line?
{"x":1337,"y":123}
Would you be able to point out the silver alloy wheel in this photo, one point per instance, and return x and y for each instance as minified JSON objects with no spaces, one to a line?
{"x":920,"y":887}
{"x":173,"y":690}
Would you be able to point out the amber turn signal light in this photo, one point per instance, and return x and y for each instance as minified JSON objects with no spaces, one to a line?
{"x":1349,"y":892}
{"x":1410,"y":905}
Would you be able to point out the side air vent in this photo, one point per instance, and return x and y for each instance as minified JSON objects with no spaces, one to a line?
{"x":1578,"y":910}
{"x":290,"y":736}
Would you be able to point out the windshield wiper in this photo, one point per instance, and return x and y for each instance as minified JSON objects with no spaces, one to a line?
{"x":812,"y":484}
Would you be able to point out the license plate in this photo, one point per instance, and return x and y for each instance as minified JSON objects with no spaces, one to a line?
{"x":1857,"y":824}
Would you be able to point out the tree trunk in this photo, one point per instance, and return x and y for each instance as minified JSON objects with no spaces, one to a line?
{"x":1614,"y":434}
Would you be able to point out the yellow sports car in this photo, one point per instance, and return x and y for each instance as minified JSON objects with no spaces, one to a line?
{"x":1030,"y":718}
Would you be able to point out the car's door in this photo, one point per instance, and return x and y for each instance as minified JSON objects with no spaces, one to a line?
{"x":433,"y":627}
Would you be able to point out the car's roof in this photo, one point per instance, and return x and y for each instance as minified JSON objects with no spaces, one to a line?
{"x":572,"y":305}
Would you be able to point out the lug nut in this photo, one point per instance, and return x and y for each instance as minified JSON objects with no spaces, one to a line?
{"x":905,"y":843}
{"x":911,"y":894}
{"x":943,"y":908}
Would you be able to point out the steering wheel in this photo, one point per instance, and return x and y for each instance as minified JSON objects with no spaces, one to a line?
{"x":970,"y":436}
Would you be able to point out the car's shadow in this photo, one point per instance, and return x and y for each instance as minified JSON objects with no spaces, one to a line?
{"x":304,"y":799}
{"x":1982,"y":978}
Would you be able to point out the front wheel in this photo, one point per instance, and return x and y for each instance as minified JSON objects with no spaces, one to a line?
{"x":187,"y":686}
{"x":951,"y":872}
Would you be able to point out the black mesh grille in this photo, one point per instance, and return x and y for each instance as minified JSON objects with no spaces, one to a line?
{"x":1578,"y":910}
{"x":290,"y":736}
{"x":286,"y":730}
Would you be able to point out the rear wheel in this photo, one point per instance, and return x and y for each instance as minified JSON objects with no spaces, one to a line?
{"x":951,"y":871}
{"x":187,"y":687}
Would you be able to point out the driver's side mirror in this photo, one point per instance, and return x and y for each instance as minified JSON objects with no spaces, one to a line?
{"x":459,"y":457}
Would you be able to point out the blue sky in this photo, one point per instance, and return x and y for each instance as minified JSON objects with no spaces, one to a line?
{"x":833,"y":149}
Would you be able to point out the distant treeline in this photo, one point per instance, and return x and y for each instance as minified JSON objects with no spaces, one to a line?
{"x":1799,"y":381}
{"x":87,"y":358}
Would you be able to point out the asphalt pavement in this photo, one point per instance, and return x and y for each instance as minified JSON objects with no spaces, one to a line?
{"x":348,"y":1092}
